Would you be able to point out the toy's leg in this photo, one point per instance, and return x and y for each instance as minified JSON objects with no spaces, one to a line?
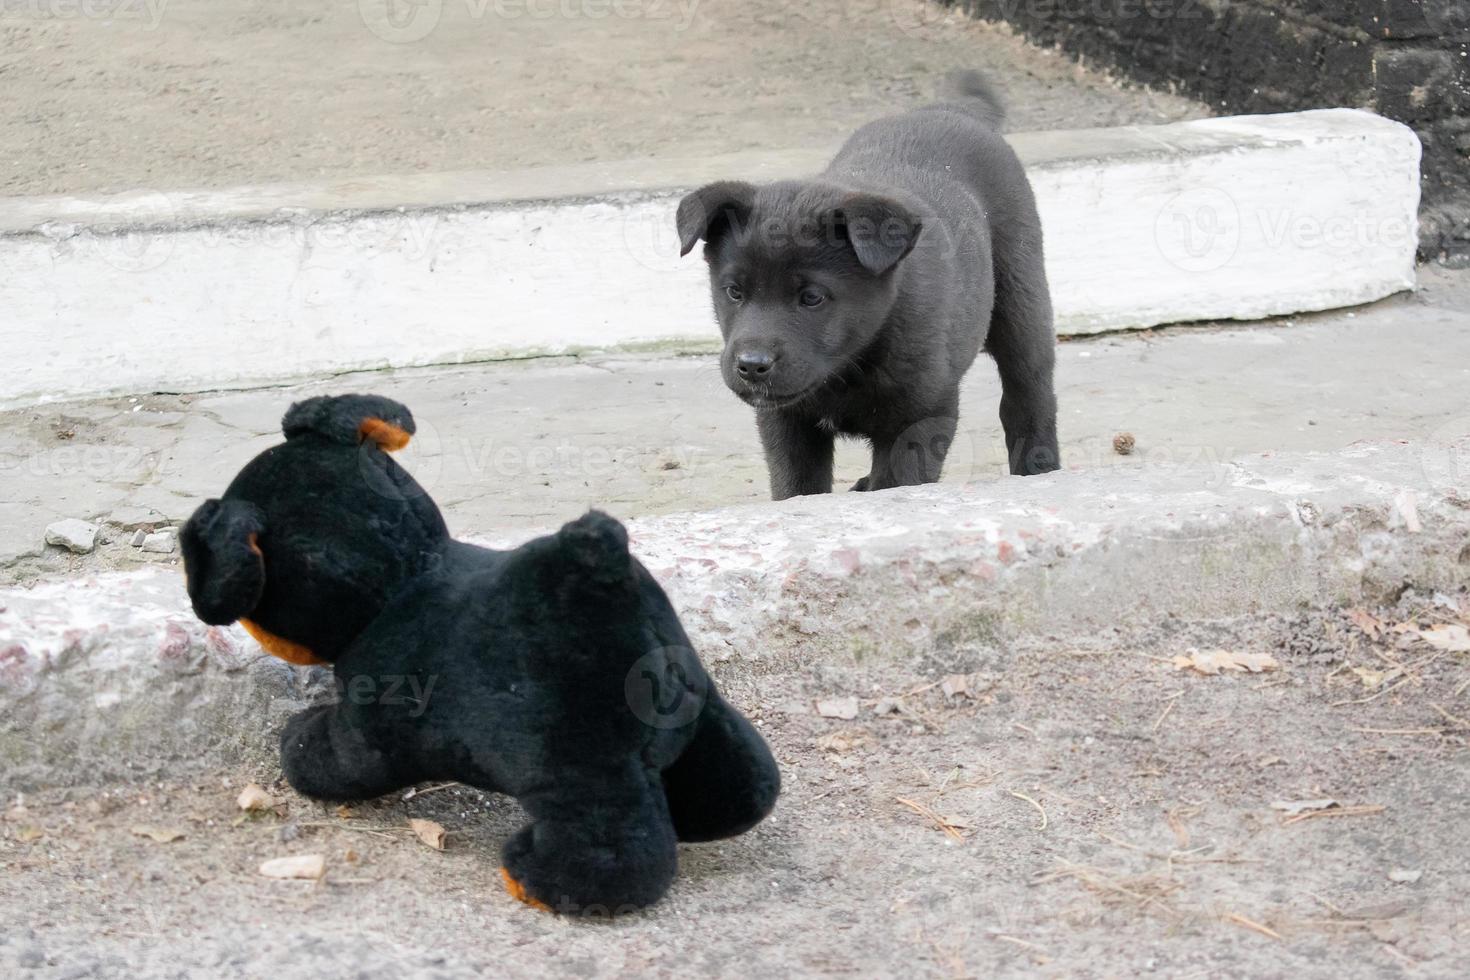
{"x":726,"y":781}
{"x":599,"y":844}
{"x":325,"y":756}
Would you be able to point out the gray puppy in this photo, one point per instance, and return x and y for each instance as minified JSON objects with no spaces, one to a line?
{"x":853,"y":303}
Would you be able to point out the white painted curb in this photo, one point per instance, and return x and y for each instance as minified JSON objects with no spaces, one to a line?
{"x":1238,"y":218}
{"x":111,"y":676}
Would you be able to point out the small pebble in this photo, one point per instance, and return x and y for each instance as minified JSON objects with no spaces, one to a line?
{"x":75,"y":536}
{"x":1123,"y":443}
{"x":160,"y":542}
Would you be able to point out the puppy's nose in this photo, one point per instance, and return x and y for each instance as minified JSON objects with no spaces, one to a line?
{"x":754,"y":365}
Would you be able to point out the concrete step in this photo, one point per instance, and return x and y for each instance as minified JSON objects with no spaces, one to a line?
{"x":1240,"y":217}
{"x":110,"y":676}
{"x":534,"y":443}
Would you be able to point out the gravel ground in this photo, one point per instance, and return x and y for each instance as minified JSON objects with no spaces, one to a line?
{"x":1109,"y":815}
{"x":112,"y":95}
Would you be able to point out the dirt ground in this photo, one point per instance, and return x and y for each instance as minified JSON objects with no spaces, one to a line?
{"x":112,"y":95}
{"x":1080,"y":809}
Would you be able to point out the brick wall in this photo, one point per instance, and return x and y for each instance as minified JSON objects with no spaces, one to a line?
{"x":1406,"y":59}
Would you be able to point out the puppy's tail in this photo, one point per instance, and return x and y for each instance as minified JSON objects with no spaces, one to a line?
{"x":971,"y":92}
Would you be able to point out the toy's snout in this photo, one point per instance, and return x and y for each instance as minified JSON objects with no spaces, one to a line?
{"x":225,"y":571}
{"x":223,"y":563}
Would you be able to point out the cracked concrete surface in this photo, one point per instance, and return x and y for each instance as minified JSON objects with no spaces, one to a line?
{"x":529,"y":444}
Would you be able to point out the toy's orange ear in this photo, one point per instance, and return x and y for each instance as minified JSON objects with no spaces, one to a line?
{"x":350,"y":420}
{"x":388,"y":436}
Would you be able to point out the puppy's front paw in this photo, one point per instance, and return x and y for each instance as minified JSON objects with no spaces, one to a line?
{"x":860,"y":486}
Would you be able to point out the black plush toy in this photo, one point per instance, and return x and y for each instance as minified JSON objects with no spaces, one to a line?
{"x":557,"y":673}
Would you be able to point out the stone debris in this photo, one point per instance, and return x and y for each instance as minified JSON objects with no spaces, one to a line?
{"x":133,"y":518}
{"x":139,"y":536}
{"x":161,"y":542}
{"x":78,"y":537}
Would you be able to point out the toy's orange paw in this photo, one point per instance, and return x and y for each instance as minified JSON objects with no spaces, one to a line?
{"x":518,"y":892}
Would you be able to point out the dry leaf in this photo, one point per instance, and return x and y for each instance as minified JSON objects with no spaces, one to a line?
{"x":1371,"y":678}
{"x":344,"y":812}
{"x":1214,"y":661}
{"x":844,"y":708}
{"x":1293,"y":807}
{"x":429,"y":832}
{"x":253,"y":798}
{"x":296,"y":866}
{"x":842,"y":740}
{"x":29,"y":835}
{"x":1367,"y":622}
{"x":1452,"y":638}
{"x":159,"y":835}
{"x":955,"y":684}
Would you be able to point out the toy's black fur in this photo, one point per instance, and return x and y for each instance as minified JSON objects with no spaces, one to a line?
{"x":853,"y":303}
{"x":557,"y":673}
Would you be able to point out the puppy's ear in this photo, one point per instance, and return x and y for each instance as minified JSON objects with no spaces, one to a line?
{"x":223,"y":566}
{"x":706,"y":212}
{"x":351,"y":419}
{"x":880,"y":231}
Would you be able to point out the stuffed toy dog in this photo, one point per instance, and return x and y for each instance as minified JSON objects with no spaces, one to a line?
{"x":556,"y":673}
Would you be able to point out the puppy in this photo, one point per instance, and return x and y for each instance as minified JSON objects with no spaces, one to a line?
{"x":853,"y":303}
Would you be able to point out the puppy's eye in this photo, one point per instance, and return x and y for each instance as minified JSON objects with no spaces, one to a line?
{"x":733,"y":293}
{"x":811,"y":298}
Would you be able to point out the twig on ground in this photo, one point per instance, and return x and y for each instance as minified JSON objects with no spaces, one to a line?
{"x":1178,"y":857}
{"x":1175,"y":819}
{"x":1019,"y":942}
{"x":414,"y":793}
{"x":377,"y":831}
{"x":1039,"y":808}
{"x":1372,"y":697}
{"x":1146,"y":890}
{"x":906,"y":694}
{"x":934,"y":818}
{"x":1252,"y":925}
{"x":1336,"y":811}
{"x":1457,"y":721}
